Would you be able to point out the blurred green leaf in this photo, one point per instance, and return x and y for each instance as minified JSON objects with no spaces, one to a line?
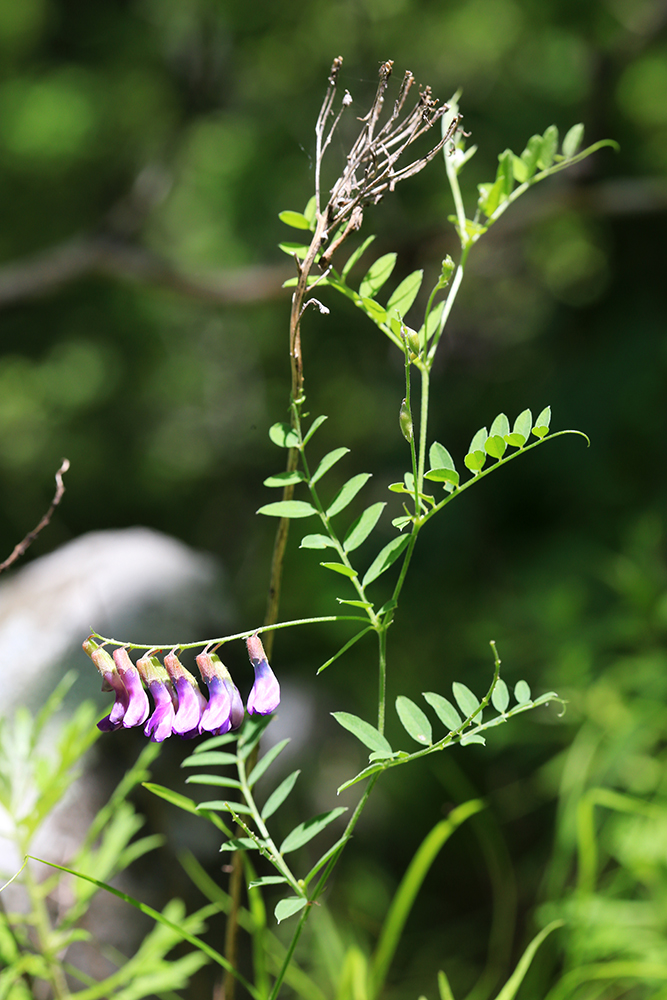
{"x":439,"y":457}
{"x":363,"y":526}
{"x":284,"y":436}
{"x":522,"y":692}
{"x":340,"y":568}
{"x":500,"y":426}
{"x":414,"y":720}
{"x":541,"y":428}
{"x":549,"y":147}
{"x":214,"y":758}
{"x":278,"y":796}
{"x":495,"y":446}
{"x":500,"y":697}
{"x":367,"y":734}
{"x":405,"y":294}
{"x":266,"y":761}
{"x":304,"y":832}
{"x":442,"y":476}
{"x":573,"y":140}
{"x":328,"y":462}
{"x":294,"y":219}
{"x":466,"y":700}
{"x":317,"y":542}
{"x":288,"y":907}
{"x":354,"y":257}
{"x":313,"y":427}
{"x":444,"y":710}
{"x":285,"y":478}
{"x":299,"y":250}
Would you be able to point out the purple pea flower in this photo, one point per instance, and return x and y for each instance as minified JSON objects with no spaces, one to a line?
{"x":153,"y":674}
{"x":225,"y":708}
{"x":138,"y":708}
{"x":111,"y":681}
{"x":191,"y":702}
{"x":264,"y":697}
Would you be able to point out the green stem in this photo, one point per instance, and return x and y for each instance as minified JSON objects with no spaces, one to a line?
{"x":423,"y":427}
{"x":42,"y":925}
{"x":276,"y":856}
{"x":382,"y":677}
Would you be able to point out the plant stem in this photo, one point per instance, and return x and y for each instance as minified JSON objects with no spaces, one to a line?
{"x":42,"y":926}
{"x":382,"y":677}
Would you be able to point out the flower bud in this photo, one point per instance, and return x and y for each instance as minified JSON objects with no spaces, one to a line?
{"x":191,"y":702}
{"x":138,"y":708}
{"x":156,"y":678}
{"x":111,"y":681}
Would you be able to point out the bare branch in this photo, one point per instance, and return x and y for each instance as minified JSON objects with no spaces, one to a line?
{"x":31,"y":536}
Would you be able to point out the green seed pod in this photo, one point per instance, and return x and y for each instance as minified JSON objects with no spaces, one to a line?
{"x":405,"y":421}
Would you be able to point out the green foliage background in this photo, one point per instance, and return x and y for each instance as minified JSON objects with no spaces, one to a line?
{"x":164,"y":136}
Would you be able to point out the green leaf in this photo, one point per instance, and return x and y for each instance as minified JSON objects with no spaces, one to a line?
{"x":284,"y":436}
{"x":433,"y":322}
{"x":519,"y":169}
{"x":444,"y":988}
{"x":239,"y":844}
{"x":495,"y":446}
{"x":216,"y":741}
{"x":278,"y":796}
{"x":317,"y":542}
{"x":444,"y":710}
{"x":305,"y":832}
{"x":442,"y":476}
{"x":373,"y":309}
{"x":285,"y":478}
{"x":354,"y":257}
{"x":362,"y":527}
{"x":328,"y":462}
{"x":490,"y":196}
{"x":475,"y":461}
{"x":377,"y":274}
{"x":439,"y":457}
{"x":347,"y":493}
{"x":401,"y":522}
{"x":405,"y":294}
{"x":541,"y":428}
{"x":313,"y":427}
{"x":367,"y":734}
{"x":355,"y":604}
{"x":175,"y":798}
{"x":500,"y":698}
{"x":544,"y":699}
{"x":257,"y":883}
{"x":310,"y":211}
{"x":522,"y":426}
{"x":478,"y":441}
{"x":214,"y":758}
{"x":472,"y":738}
{"x":572,"y":140}
{"x":266,"y":761}
{"x":505,"y":174}
{"x":220,"y":780}
{"x":531,"y":155}
{"x":466,"y":701}
{"x":522,"y":692}
{"x":288,"y":907}
{"x":294,"y":219}
{"x":340,"y":568}
{"x":226,"y":805}
{"x":414,"y":721}
{"x":500,"y":426}
{"x":388,"y":555}
{"x":511,"y":987}
{"x":299,"y":250}
{"x":288,"y":508}
{"x":549,"y":147}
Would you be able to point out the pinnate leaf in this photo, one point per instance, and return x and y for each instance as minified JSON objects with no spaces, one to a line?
{"x":466,"y":700}
{"x":328,"y":462}
{"x":278,"y":796}
{"x":414,"y":720}
{"x":354,"y":257}
{"x":522,"y":692}
{"x":285,"y":478}
{"x":305,"y":832}
{"x":365,"y":733}
{"x":266,"y":880}
{"x":405,"y":294}
{"x":439,"y":457}
{"x":500,"y":697}
{"x":340,"y":568}
{"x":541,"y":428}
{"x":294,"y":219}
{"x":444,"y":710}
{"x":377,"y":274}
{"x":317,"y":542}
{"x":572,"y":140}
{"x":288,"y":907}
{"x":299,"y":250}
{"x":284,"y":436}
{"x":495,"y":446}
{"x":549,"y":147}
{"x":347,"y":493}
{"x":500,"y":426}
{"x":288,"y":508}
{"x":266,"y":761}
{"x":385,"y":558}
{"x":314,"y":426}
{"x":362,"y":527}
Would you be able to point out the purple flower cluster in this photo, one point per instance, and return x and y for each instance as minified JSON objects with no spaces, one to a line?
{"x":179,"y":705}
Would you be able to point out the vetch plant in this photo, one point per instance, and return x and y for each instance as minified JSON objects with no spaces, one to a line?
{"x":227,"y":761}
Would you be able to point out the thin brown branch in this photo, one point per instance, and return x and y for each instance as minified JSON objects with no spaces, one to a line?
{"x":110,"y":256}
{"x":20,"y":549}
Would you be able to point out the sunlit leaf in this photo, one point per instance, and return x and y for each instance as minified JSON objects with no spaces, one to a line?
{"x":285,"y":478}
{"x":310,"y":211}
{"x":294,"y":219}
{"x":444,"y":710}
{"x":175,"y":798}
{"x":505,"y":174}
{"x":367,"y":734}
{"x":495,"y":446}
{"x":466,"y":701}
{"x":572,"y":140}
{"x":266,"y":880}
{"x":531,"y":154}
{"x":347,"y":493}
{"x":522,"y":428}
{"x":340,"y":568}
{"x":354,"y":257}
{"x":401,"y":522}
{"x":215,"y":758}
{"x":266,"y":761}
{"x":541,"y":428}
{"x":225,"y":805}
{"x":219,"y":780}
{"x":478,"y":441}
{"x":439,"y":457}
{"x":433,"y":322}
{"x":405,"y":294}
{"x":500,"y":698}
{"x":475,"y":460}
{"x":414,"y":720}
{"x":284,"y":436}
{"x":299,"y":250}
{"x":522,"y":692}
{"x":472,"y":738}
{"x":305,"y":832}
{"x":443,"y":476}
{"x":362,"y":527}
{"x":377,"y":274}
{"x":317,"y":542}
{"x":500,"y":426}
{"x":288,"y":907}
{"x":373,"y":309}
{"x":385,"y":558}
{"x":288,"y":508}
{"x":314,"y":426}
{"x":278,"y":796}
{"x":328,"y":462}
{"x":239,"y":844}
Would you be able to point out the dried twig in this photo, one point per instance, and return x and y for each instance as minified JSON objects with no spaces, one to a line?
{"x":31,"y":536}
